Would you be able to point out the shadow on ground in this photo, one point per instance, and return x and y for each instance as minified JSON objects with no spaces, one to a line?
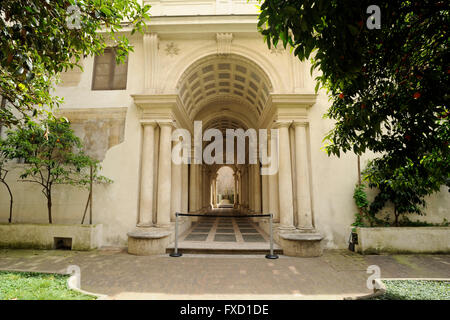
{"x":337,"y":274}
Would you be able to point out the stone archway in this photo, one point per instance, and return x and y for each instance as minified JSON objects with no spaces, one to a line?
{"x":224,"y":188}
{"x":226,"y":92}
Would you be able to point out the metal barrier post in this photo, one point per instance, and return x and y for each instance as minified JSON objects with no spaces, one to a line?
{"x":175,"y":253}
{"x":271,"y":255}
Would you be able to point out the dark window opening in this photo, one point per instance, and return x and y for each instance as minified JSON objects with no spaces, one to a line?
{"x":108,"y":75}
{"x":62,"y":243}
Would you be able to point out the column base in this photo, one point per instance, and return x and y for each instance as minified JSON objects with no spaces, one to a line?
{"x":151,"y":242}
{"x":144,"y":225}
{"x":145,"y":241}
{"x":299,"y":244}
{"x":284,"y":228}
{"x":307,"y":230}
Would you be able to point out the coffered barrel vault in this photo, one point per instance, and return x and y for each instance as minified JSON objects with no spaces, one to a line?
{"x":222,"y":78}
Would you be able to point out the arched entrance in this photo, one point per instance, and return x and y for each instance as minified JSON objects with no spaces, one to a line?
{"x":225,"y":92}
{"x":218,"y":93}
{"x":224,"y":188}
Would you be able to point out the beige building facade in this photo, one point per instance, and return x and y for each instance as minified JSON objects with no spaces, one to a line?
{"x":203,"y":61}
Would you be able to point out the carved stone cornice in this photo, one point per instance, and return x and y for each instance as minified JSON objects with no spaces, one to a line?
{"x":162,"y":107}
{"x":287,"y":107}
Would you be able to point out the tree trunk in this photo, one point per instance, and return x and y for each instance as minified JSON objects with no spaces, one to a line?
{"x":10,"y":201}
{"x":10,"y":204}
{"x":49,"y":206}
{"x":396,"y":217}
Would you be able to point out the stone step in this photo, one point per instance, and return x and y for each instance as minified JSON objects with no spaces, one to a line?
{"x":223,"y":248}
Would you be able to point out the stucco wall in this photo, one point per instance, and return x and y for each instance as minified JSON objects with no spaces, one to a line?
{"x":42,"y":236}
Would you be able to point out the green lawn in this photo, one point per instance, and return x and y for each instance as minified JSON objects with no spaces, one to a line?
{"x":415,"y":290}
{"x":37,"y":286}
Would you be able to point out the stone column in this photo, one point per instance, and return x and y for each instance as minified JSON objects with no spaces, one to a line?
{"x":246,"y":187}
{"x":205,"y":189}
{"x":192,"y":191}
{"x":147,"y":163}
{"x":251,"y":180}
{"x":184,"y":188}
{"x":164,"y":174}
{"x":239,"y":195}
{"x":177,"y":181}
{"x":213,"y":191}
{"x":235,"y":203}
{"x":198,"y":187}
{"x":257,"y":187}
{"x":303,"y":177}
{"x":273,"y":197}
{"x":285,"y":178}
{"x":273,"y":187}
{"x":265,"y":194}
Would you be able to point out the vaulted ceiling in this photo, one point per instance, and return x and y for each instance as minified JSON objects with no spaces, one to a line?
{"x":218,"y":80}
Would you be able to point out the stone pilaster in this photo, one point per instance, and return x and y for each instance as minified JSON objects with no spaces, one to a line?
{"x":151,"y":61}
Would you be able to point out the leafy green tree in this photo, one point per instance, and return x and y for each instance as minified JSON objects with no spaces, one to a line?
{"x":389,"y":86}
{"x":40,"y":39}
{"x":52,"y":154}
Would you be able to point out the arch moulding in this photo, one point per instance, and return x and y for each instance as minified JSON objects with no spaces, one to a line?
{"x":196,"y":55}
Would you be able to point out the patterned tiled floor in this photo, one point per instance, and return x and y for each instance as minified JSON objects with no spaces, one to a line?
{"x":224,"y":229}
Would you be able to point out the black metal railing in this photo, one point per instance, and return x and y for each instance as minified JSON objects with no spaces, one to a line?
{"x":271,"y":254}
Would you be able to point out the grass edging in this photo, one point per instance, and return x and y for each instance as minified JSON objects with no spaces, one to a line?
{"x":71,"y":282}
{"x":380,"y":287}
{"x":378,"y":290}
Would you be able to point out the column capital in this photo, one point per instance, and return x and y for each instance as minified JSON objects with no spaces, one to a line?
{"x":283,"y":124}
{"x":300,"y":123}
{"x":164,"y":123}
{"x":145,"y":122}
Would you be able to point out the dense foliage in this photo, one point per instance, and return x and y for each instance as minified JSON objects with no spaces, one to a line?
{"x":389,"y":86}
{"x":39,"y":39}
{"x":52,"y":154}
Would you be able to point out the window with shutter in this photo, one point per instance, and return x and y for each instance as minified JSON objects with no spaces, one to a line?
{"x":108,"y":75}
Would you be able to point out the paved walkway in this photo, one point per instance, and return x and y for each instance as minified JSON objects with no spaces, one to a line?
{"x":224,"y":234}
{"x":335,"y":275}
{"x":225,"y":229}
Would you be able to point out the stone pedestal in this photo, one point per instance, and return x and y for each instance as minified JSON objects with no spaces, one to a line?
{"x":148,"y":242}
{"x":301,"y":244}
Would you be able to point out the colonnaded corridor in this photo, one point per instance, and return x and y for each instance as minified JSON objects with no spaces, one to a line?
{"x":224,"y":234}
